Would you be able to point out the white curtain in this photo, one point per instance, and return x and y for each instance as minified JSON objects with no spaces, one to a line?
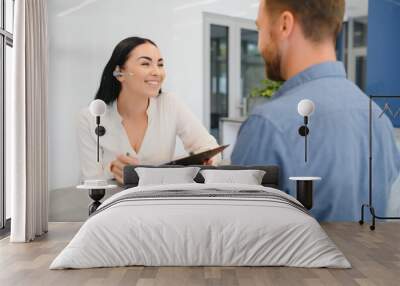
{"x":26,"y":123}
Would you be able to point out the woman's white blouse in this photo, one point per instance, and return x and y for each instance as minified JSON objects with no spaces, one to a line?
{"x":167,"y":118}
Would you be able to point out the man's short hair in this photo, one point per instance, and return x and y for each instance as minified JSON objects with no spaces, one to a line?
{"x":319,"y":19}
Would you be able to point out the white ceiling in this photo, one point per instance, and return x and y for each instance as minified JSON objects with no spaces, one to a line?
{"x":354,"y":8}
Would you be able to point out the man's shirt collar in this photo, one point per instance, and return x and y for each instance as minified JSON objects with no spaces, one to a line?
{"x":326,"y":69}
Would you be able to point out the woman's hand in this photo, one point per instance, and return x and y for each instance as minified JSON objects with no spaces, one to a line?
{"x":117,"y":166}
{"x":208,"y":162}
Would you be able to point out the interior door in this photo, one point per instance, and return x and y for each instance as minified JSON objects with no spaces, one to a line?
{"x":232,"y":67}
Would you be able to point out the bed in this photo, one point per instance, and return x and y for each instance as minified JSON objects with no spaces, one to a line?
{"x":201,"y":224}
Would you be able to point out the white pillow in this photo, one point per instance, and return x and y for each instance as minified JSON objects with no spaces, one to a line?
{"x":162,"y":176}
{"x":248,"y":177}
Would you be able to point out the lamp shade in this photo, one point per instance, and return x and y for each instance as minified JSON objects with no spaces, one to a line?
{"x":305,"y":107}
{"x":97,"y":107}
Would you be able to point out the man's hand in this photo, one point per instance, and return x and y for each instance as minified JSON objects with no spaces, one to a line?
{"x":117,"y":166}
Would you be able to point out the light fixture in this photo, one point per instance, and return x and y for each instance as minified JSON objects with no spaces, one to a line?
{"x":98,"y":185}
{"x":98,"y":108}
{"x":305,"y":108}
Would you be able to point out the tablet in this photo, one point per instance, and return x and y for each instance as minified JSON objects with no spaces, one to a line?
{"x":199,"y":158}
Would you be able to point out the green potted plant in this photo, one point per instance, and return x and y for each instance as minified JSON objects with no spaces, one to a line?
{"x":263,"y":93}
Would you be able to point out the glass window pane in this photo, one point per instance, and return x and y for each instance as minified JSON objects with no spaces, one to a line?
{"x":361,"y":72}
{"x":219,"y":76}
{"x":8,"y":88}
{"x":1,"y":136}
{"x":1,"y":15}
{"x":346,"y":44}
{"x":252,"y":65}
{"x":360,"y":33}
{"x":341,"y":44}
{"x":9,"y":11}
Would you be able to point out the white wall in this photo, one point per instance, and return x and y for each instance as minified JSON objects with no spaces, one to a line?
{"x":356,"y":8}
{"x":82,"y":36}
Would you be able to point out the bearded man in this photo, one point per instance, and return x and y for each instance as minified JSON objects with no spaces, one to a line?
{"x":297,"y":41}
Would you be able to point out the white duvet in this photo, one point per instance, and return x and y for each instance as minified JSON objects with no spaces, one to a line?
{"x":200,"y":231}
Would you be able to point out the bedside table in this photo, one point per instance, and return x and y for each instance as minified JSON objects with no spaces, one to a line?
{"x":96,"y":193}
{"x":304,"y":190}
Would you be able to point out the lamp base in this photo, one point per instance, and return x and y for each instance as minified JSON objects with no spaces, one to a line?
{"x":304,"y":190}
{"x":100,"y":130}
{"x":96,"y":195}
{"x":303,"y":130}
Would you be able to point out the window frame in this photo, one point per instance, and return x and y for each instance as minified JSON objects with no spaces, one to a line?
{"x":235,"y":25}
{"x":6,"y":39}
{"x":351,"y":53}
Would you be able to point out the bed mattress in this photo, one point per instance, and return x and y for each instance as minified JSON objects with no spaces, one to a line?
{"x":201,"y":225}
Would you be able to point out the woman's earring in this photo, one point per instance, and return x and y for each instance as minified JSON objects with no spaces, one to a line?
{"x":117,"y":72}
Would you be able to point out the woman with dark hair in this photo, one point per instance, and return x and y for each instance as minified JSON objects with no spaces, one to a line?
{"x":141,"y":121}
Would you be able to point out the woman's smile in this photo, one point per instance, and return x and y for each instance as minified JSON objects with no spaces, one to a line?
{"x":153,"y":83}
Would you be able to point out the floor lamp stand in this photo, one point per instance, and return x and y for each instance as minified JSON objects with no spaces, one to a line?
{"x":370,"y":205}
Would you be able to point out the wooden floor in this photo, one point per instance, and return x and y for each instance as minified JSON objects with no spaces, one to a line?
{"x":375,"y":257}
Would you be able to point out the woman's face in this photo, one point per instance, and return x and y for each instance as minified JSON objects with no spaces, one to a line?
{"x":143,"y":71}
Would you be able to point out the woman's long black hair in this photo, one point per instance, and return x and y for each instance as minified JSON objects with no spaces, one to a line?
{"x":110,"y":87}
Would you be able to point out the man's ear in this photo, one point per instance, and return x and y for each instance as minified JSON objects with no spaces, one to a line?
{"x":286,"y":24}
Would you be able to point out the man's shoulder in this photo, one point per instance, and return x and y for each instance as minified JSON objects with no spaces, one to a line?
{"x":277,"y":109}
{"x":326,"y":93}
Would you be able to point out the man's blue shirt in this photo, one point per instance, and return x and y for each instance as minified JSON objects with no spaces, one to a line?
{"x":338,"y":142}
